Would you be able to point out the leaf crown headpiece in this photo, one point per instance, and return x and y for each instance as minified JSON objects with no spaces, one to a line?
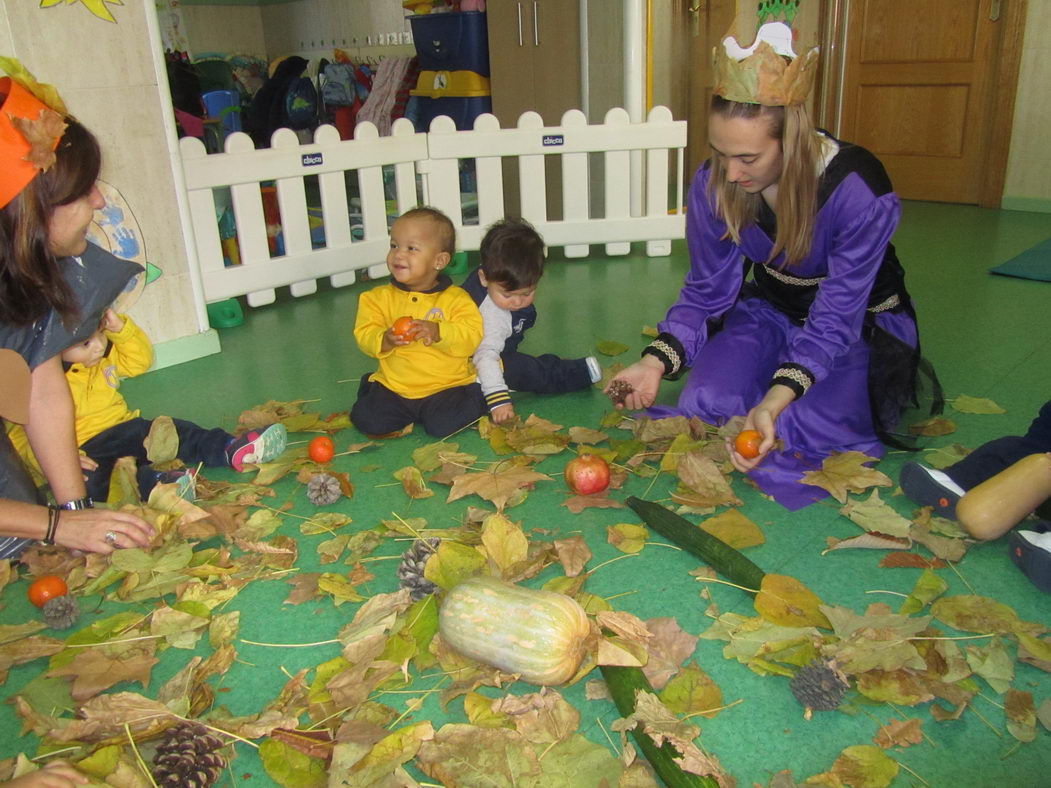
{"x":32,"y":121}
{"x":768,"y":72}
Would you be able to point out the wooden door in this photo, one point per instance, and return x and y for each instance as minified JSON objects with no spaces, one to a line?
{"x":556,"y":64}
{"x":534,"y":64}
{"x":918,"y":92}
{"x":534,"y":58}
{"x":510,"y":58}
{"x":707,"y":23}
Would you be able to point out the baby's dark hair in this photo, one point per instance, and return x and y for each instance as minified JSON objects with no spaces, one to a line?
{"x":445,"y":227}
{"x":513,"y":254}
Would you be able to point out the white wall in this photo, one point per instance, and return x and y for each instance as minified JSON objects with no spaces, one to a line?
{"x":1029,"y":163}
{"x":226,"y":29}
{"x":316,"y":24}
{"x":278,"y":29}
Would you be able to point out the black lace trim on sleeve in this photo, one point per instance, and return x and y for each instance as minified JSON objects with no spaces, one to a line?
{"x":795,"y":376}
{"x":670,"y":352}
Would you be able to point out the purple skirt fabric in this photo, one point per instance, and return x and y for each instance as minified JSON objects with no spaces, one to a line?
{"x":732,"y":373}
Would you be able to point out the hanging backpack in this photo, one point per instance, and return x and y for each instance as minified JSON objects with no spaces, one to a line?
{"x":339,"y":89}
{"x":301,"y":104}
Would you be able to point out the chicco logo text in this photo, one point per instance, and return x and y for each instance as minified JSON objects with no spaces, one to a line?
{"x":553,"y":139}
{"x":312,"y":159}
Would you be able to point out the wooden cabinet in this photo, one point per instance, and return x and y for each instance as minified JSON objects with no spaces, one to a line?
{"x":534,"y":58}
{"x":534,"y":64}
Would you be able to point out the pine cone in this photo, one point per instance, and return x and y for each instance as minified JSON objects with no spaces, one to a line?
{"x":619,"y":391}
{"x":410,"y":571}
{"x":323,"y":489}
{"x":61,"y":612}
{"x":188,"y":757}
{"x":819,"y":686}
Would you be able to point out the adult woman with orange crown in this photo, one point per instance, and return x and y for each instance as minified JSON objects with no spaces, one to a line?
{"x":54,"y":288}
{"x":819,"y":350}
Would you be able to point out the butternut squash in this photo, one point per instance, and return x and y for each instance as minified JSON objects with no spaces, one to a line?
{"x":998,"y":504}
{"x":540,"y":635}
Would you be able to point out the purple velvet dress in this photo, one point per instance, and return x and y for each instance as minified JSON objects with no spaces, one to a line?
{"x":817,"y":323}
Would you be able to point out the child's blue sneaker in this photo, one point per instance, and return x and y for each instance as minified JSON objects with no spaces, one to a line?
{"x":255,"y":447}
{"x":930,"y":487}
{"x":1031,"y":552}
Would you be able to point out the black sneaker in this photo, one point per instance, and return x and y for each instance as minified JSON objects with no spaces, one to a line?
{"x":1031,"y":552}
{"x":930,"y":487}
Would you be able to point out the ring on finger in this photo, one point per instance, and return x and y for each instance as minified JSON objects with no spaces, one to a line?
{"x":111,"y":537}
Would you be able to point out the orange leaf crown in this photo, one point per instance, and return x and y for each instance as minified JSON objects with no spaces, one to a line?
{"x":31,"y":125}
{"x":769,"y":72}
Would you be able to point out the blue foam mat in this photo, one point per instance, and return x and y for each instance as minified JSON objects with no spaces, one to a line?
{"x":1033,"y":263}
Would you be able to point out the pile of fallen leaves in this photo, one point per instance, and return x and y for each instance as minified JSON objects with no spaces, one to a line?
{"x":349,"y":721}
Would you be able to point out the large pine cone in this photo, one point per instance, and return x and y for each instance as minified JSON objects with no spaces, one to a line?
{"x":819,"y":686}
{"x":323,"y":489}
{"x":61,"y":612}
{"x":188,"y":758}
{"x":410,"y":571}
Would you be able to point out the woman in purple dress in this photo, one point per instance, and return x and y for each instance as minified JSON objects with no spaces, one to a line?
{"x":819,"y":349}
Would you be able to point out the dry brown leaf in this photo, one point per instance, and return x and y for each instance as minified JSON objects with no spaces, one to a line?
{"x":96,"y":669}
{"x":847,"y":472}
{"x":316,"y":744}
{"x":573,"y":553}
{"x":412,"y":482}
{"x":586,"y":436}
{"x":104,"y":717}
{"x":942,"y":546}
{"x":304,"y":588}
{"x":899,"y":733}
{"x":867,"y":541}
{"x":41,"y":134}
{"x":624,"y":624}
{"x":669,"y":648}
{"x":497,"y":486}
{"x":579,"y":503}
{"x":900,"y":560}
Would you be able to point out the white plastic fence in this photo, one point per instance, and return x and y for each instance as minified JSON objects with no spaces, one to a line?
{"x":435,"y":157}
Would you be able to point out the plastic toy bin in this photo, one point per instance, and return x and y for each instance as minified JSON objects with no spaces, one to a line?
{"x":463,"y":110}
{"x":456,"y":41}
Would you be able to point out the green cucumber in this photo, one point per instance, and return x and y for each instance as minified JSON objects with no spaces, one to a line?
{"x":623,"y":684}
{"x":724,"y":559}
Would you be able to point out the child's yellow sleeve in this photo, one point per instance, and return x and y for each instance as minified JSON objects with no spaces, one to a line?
{"x":132,"y":351}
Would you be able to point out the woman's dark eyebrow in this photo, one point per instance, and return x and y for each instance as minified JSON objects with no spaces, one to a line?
{"x":735,"y":156}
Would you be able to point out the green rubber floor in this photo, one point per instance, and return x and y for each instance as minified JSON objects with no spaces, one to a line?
{"x":988,"y":336}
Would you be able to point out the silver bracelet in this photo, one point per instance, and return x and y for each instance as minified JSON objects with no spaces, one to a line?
{"x":78,"y":504}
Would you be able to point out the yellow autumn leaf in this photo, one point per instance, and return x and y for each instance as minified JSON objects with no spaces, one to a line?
{"x":785,"y":601}
{"x":504,"y":542}
{"x":735,"y":529}
{"x":627,"y":537}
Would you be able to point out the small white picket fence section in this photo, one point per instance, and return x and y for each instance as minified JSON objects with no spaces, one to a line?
{"x":435,"y":158}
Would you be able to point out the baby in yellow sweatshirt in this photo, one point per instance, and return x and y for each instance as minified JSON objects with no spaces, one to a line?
{"x":108,"y":430}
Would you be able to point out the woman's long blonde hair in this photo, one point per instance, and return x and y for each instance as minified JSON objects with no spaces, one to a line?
{"x":797,"y":186}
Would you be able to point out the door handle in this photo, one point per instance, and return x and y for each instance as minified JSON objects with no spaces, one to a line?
{"x":695,"y":9}
{"x":536,"y":23}
{"x":519,"y":23}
